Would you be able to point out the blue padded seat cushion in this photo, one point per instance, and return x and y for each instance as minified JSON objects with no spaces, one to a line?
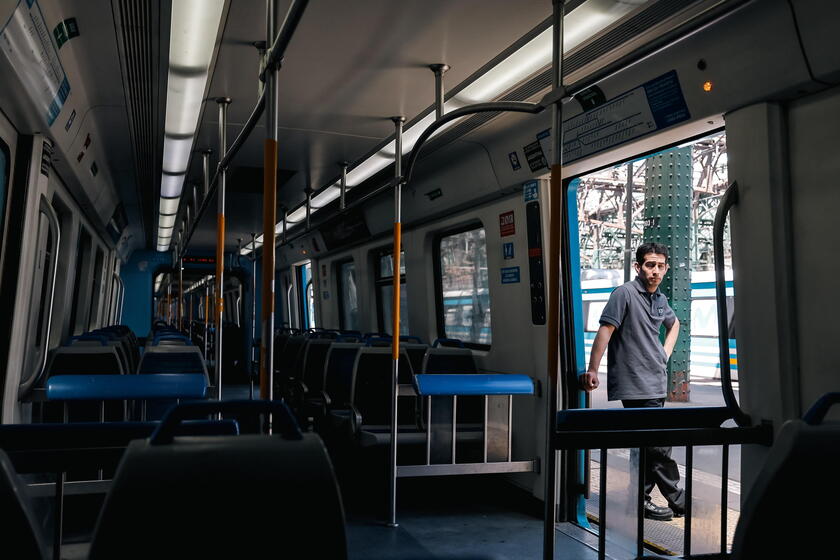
{"x":473,"y":384}
{"x":106,"y":387}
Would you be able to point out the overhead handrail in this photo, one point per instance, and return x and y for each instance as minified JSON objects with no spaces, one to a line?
{"x":274,"y":57}
{"x":729,"y":198}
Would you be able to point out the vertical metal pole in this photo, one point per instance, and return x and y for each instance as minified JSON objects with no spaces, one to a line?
{"x":342,"y":203}
{"x":180,"y":292}
{"x":285,"y":221}
{"x":640,"y":505}
{"x":395,"y":338}
{"x":724,"y":499}
{"x":206,"y":318}
{"x":553,"y":326}
{"x":169,"y":300}
{"x":190,"y":320}
{"x":253,"y":258}
{"x":602,"y":507}
{"x":308,"y":193}
{"x":269,"y":212}
{"x":689,"y":489}
{"x":205,"y":167}
{"x":439,"y":70}
{"x":486,"y":434}
{"x":628,"y":223}
{"x":454,"y":425}
{"x":223,"y":103}
{"x":429,"y":431}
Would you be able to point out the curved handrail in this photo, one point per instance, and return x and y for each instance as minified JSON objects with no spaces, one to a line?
{"x":284,"y":422}
{"x":818,"y":410}
{"x":730,"y":197}
{"x":490,"y":107}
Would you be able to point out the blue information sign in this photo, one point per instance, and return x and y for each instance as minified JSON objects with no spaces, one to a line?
{"x":531,"y":191}
{"x":510,"y":275}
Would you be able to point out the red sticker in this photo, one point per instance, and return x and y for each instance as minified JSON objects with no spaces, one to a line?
{"x":507,"y":226}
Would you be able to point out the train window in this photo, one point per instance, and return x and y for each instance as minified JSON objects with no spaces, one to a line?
{"x":306,"y":295}
{"x":464,"y":287}
{"x":83,"y":254}
{"x":96,"y":290}
{"x":348,"y":300}
{"x":385,"y":292}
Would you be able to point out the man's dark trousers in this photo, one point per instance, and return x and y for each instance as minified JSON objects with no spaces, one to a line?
{"x":660,"y":469}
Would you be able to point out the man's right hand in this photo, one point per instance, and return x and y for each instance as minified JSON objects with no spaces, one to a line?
{"x":589,"y":381}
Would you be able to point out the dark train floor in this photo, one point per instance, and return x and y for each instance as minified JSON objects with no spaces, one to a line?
{"x":463,"y":518}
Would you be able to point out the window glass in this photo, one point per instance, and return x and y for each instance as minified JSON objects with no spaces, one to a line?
{"x":349,"y":301}
{"x":385,"y":293}
{"x":465,"y":286}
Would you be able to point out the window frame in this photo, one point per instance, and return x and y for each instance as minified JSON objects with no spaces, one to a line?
{"x":440,"y":318}
{"x":381,"y":281}
{"x":339,"y":265}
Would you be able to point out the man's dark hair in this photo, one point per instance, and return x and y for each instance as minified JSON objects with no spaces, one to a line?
{"x":647,"y":248}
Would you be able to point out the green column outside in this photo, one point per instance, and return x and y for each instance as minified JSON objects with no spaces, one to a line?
{"x":668,"y":195}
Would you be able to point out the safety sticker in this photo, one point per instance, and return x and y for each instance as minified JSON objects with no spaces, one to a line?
{"x":510,"y":275}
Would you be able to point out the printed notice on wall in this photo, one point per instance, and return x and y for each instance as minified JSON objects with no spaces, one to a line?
{"x":27,"y":43}
{"x":652,"y":106}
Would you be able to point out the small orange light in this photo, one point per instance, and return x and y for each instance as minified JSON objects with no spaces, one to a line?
{"x":707,"y":86}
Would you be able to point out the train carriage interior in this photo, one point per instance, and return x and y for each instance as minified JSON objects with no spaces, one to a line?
{"x":330,"y":279}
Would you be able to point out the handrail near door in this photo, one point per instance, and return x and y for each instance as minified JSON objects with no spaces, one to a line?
{"x":729,"y":199}
{"x":47,"y":210}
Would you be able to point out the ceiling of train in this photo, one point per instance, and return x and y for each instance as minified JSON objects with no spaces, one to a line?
{"x":349,"y":67}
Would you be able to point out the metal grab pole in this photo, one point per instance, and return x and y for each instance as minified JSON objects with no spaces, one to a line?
{"x":395,"y":314}
{"x":553,"y":331}
{"x":439,"y":70}
{"x":252,"y":256}
{"x":180,"y":292}
{"x":343,"y":186}
{"x":205,"y":169}
{"x":220,"y":243}
{"x":206,"y":318}
{"x":269,"y":215}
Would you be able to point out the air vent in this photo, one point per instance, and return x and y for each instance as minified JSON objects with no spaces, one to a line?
{"x":137,"y":25}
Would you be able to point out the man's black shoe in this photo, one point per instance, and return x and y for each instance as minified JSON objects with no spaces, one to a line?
{"x":658,"y":513}
{"x":678,"y":511}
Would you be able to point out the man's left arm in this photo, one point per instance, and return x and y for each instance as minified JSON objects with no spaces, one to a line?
{"x":671,"y":334}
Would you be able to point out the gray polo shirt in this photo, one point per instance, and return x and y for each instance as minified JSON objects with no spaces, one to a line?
{"x":636,"y":359}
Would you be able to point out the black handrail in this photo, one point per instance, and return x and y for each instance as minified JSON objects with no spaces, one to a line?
{"x":730,"y":197}
{"x":283,"y":420}
{"x":274,"y":57}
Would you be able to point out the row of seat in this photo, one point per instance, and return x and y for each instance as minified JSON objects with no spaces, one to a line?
{"x":344,"y":388}
{"x":165,"y":489}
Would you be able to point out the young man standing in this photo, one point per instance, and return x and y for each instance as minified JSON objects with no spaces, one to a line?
{"x":637,"y":361}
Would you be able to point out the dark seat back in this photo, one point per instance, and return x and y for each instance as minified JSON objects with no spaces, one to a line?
{"x":165,"y":496}
{"x":21,"y":534}
{"x":371,"y":394}
{"x":314,"y":359}
{"x":444,"y":359}
{"x":338,"y":371}
{"x":801,"y":468}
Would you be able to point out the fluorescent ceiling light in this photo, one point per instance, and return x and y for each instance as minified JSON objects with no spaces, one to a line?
{"x":297,"y":216}
{"x":169,"y":205}
{"x":184,"y":96}
{"x":367,"y":169}
{"x":171,"y":185}
{"x":166,"y":221}
{"x":325,"y":197}
{"x":194,"y":27}
{"x":176,"y":154}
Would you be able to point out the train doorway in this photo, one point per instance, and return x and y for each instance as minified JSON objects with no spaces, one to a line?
{"x":669,"y":197}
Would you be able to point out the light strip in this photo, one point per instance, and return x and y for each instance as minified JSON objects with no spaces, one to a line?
{"x":580,"y":25}
{"x":192,"y":36}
